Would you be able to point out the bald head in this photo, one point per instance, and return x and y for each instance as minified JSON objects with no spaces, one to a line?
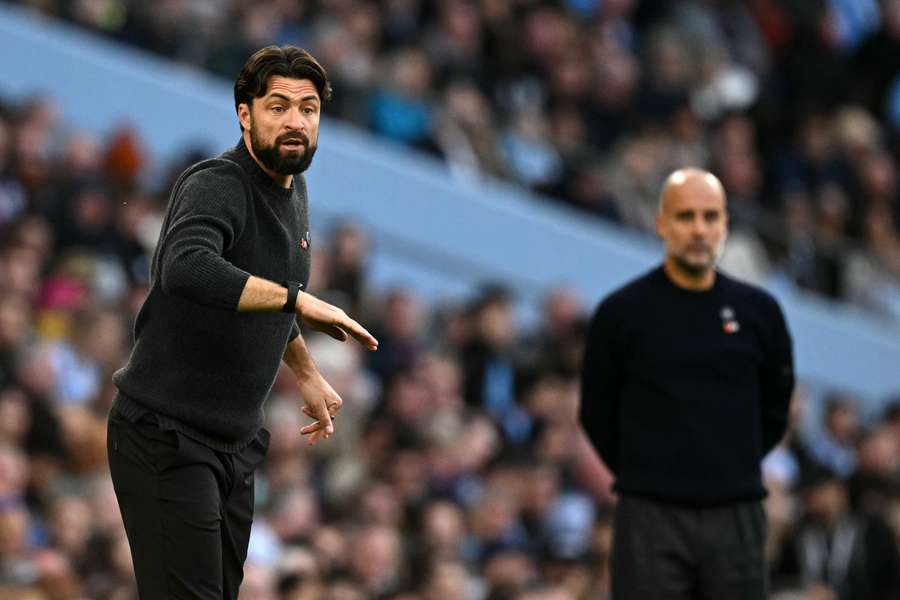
{"x":690,"y":181}
{"x":693,"y":223}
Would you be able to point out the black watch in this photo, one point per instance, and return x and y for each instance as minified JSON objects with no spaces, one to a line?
{"x":293,"y":289}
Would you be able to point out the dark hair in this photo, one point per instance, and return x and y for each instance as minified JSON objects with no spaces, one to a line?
{"x":286,"y":61}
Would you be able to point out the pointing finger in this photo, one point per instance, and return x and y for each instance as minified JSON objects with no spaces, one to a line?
{"x":359,"y":332}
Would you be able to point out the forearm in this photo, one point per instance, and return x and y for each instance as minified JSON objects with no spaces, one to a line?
{"x":262,"y":295}
{"x":298,"y":359}
{"x":589,"y":470}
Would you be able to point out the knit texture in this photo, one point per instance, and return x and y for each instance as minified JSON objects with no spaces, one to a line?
{"x":200,"y":365}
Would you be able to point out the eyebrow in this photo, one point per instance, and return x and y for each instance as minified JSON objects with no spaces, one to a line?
{"x":283,"y":97}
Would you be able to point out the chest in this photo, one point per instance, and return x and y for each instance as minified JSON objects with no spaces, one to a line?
{"x":276,"y":243}
{"x":702,"y":340}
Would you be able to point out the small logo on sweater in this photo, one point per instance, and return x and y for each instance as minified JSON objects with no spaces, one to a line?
{"x":729,"y":323}
{"x":304,"y":241}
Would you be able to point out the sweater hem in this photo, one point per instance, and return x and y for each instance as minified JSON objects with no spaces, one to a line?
{"x":693,"y":499}
{"x":132,"y":410}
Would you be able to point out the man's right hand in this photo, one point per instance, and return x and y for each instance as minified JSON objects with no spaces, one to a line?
{"x":331,"y":320}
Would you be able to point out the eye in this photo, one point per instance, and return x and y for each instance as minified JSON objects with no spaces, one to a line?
{"x":309,"y":110}
{"x":278,"y":109}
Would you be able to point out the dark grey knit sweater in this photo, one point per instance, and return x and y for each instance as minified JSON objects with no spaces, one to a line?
{"x":199,"y":365}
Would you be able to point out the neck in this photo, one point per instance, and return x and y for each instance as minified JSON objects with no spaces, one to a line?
{"x":282,"y":180}
{"x":695,"y":282}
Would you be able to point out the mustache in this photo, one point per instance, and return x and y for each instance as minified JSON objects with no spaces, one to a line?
{"x":296,"y":138}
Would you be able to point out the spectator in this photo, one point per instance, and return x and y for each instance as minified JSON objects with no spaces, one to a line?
{"x":581,"y":83}
{"x":833,"y":447}
{"x":837,"y":549}
{"x":453,"y":471}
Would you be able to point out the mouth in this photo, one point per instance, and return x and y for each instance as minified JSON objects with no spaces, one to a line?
{"x":293,"y":145}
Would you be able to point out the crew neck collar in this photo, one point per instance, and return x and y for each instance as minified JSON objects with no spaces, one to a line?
{"x":260,"y":177}
{"x":664,"y":277}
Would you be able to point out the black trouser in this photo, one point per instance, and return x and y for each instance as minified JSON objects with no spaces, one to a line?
{"x":672,"y":552}
{"x":187,"y":509}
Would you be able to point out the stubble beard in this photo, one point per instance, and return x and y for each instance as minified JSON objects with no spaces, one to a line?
{"x":693,"y":269}
{"x":697,"y":270}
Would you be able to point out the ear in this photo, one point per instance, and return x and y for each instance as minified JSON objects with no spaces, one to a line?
{"x":660,"y":224}
{"x":243,"y":112}
{"x":727,"y":228}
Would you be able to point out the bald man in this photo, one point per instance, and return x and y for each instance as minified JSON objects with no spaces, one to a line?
{"x":686,"y":382}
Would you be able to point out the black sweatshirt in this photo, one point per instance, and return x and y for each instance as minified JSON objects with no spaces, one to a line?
{"x":684,"y":392}
{"x":205,"y":368}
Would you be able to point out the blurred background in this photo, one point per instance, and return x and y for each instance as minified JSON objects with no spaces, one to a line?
{"x":487,"y":172}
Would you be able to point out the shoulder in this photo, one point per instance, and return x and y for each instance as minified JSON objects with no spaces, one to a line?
{"x":621,"y":300}
{"x":635,"y":289}
{"x":752,"y":295}
{"x":216,"y":174}
{"x":214,"y":185}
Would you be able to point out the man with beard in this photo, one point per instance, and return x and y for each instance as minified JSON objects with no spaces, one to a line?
{"x":227,"y":277}
{"x":687,"y":377}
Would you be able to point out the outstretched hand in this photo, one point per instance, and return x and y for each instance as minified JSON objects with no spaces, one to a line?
{"x":333,"y":321}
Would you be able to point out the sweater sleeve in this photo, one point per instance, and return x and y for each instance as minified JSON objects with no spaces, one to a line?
{"x":777,"y":378}
{"x":208,"y":216}
{"x":600,"y":386}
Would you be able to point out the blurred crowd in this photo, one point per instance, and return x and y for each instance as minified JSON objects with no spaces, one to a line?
{"x":455,"y":474}
{"x":795,"y":104}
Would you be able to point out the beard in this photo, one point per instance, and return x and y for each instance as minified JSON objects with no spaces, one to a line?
{"x":292,"y":163}
{"x":692,"y":268}
{"x":698,"y":268}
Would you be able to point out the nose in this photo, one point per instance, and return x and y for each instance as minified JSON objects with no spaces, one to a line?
{"x":294,"y":121}
{"x":699,"y":227}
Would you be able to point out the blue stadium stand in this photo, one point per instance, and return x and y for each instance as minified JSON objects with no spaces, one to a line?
{"x":436,"y":235}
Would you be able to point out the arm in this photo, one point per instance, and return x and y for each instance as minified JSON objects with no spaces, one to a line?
{"x":298,"y":359}
{"x":208,"y":216}
{"x":262,"y":295}
{"x":589,"y":471}
{"x":192,"y":266}
{"x":321,"y":402}
{"x":777,"y":381}
{"x":600,"y":387}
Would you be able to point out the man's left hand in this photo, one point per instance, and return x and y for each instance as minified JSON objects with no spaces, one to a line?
{"x":321,"y":403}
